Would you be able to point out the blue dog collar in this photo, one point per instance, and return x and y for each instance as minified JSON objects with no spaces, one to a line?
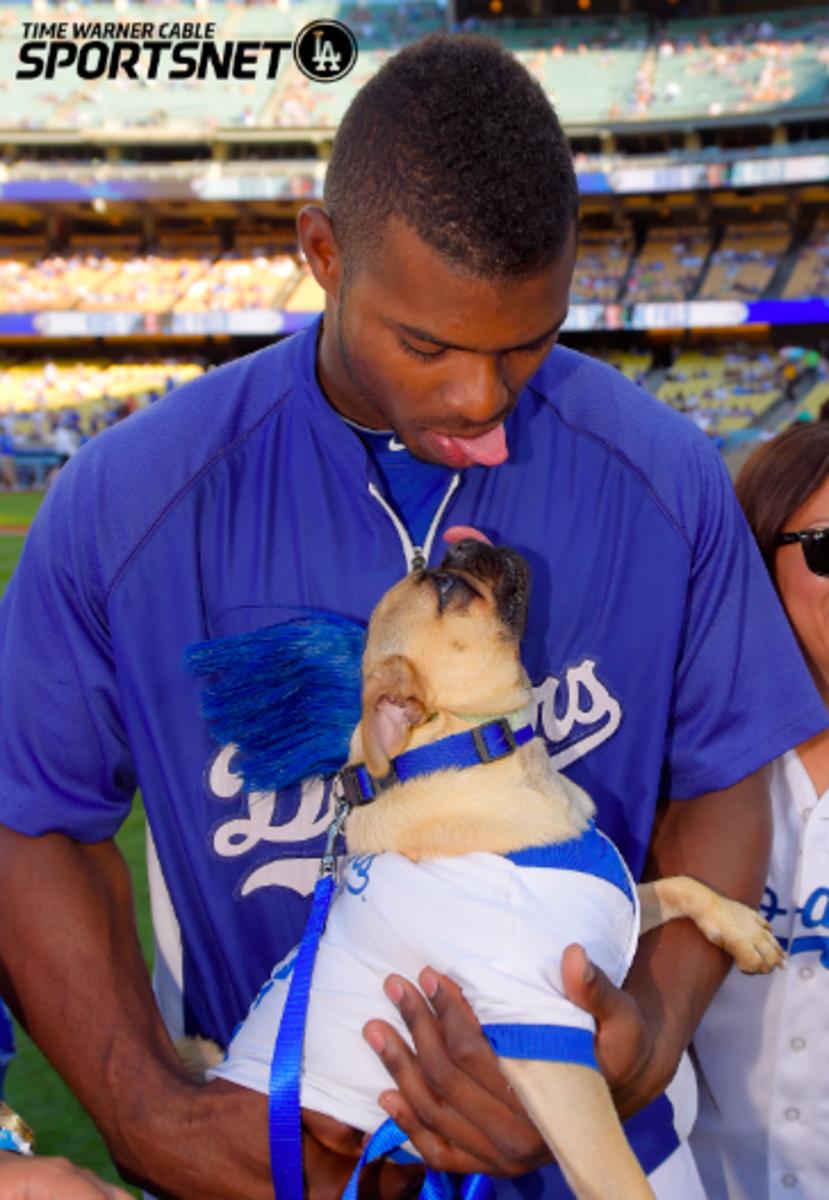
{"x":484,"y":744}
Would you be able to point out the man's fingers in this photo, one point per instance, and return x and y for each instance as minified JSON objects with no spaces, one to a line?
{"x":461,"y":1116}
{"x":623,"y":1041}
{"x":457,"y":1062}
{"x":430,"y":1088}
{"x":587,"y":986}
{"x":332,"y":1134}
{"x":465,"y":1041}
{"x":434,"y":1149}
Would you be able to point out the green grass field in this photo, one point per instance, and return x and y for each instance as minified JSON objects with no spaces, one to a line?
{"x":19,"y":507}
{"x":33,"y":1087}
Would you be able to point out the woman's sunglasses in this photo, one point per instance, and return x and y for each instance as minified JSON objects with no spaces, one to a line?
{"x":815,"y":543}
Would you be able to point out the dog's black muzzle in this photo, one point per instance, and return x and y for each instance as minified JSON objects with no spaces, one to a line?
{"x":503,"y":569}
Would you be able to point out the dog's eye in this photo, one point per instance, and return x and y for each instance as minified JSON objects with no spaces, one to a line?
{"x":452,"y":587}
{"x":445,"y":585}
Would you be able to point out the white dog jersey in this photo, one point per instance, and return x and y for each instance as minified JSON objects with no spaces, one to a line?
{"x":497,"y":925}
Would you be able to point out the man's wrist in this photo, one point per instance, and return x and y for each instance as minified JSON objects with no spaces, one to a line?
{"x":147,"y":1132}
{"x":200,"y":1142}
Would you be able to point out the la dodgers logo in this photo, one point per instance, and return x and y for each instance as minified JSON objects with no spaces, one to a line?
{"x":239,"y":835}
{"x":575,"y":714}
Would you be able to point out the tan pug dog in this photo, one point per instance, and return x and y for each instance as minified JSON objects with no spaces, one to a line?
{"x":442,"y":655}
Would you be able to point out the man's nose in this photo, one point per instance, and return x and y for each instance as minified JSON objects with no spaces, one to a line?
{"x":478,"y":393}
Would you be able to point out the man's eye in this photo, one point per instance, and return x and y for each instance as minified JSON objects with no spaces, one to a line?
{"x":424,"y":355}
{"x":538,"y":347}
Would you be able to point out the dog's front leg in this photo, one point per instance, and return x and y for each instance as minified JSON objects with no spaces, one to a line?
{"x":737,"y":928}
{"x":571,"y":1107}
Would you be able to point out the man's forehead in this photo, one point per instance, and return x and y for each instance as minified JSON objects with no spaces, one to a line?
{"x":398,"y":247}
{"x":422,"y":294}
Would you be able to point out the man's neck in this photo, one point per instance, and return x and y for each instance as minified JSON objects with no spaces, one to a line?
{"x":335,"y":383}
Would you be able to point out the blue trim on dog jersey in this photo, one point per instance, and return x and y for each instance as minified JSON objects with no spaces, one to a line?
{"x":592,"y":853}
{"x":547,"y":1043}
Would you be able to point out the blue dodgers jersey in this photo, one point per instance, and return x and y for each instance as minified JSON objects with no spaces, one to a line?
{"x":662,"y":663}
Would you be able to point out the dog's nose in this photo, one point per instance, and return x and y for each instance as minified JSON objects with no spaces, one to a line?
{"x":471,"y":553}
{"x":503,"y":568}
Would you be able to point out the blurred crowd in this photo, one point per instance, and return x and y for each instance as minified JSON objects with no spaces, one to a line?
{"x":198,"y":279}
{"x":48,"y":409}
{"x":671,"y":263}
{"x":743,"y":262}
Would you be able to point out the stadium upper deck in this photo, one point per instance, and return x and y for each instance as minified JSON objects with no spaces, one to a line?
{"x":686,"y":70}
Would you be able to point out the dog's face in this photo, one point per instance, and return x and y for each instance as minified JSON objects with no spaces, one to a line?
{"x":443,"y":642}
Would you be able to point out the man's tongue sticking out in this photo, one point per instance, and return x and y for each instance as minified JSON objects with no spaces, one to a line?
{"x":487,"y":450}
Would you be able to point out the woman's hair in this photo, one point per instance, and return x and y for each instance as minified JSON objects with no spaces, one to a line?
{"x":781,"y":476}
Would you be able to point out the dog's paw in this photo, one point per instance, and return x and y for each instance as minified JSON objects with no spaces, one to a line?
{"x":747,"y":937}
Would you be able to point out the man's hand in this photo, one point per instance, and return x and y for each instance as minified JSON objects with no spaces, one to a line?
{"x":626,"y":1047}
{"x":453,"y":1101}
{"x":454,"y":1104}
{"x":23,"y":1178}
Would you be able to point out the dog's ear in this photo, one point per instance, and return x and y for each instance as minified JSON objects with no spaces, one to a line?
{"x":393,"y":702}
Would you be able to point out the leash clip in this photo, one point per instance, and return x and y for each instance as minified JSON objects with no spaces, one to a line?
{"x":328,"y":862}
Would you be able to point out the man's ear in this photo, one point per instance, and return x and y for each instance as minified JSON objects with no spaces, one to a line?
{"x":316,"y":237}
{"x":393,"y":702}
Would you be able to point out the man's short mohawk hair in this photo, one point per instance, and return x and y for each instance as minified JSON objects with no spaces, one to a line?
{"x":454,"y":136}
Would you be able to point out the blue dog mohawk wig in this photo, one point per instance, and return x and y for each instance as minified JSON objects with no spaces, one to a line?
{"x":288,"y":696}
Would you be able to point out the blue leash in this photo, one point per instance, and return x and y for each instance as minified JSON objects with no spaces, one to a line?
{"x":438,"y":1185}
{"x":284,"y":1119}
{"x":284,"y":1122}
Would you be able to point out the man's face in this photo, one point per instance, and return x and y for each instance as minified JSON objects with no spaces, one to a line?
{"x":440,"y":357}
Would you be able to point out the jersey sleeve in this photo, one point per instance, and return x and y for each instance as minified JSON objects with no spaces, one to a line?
{"x":65,"y":765}
{"x":742,"y":692}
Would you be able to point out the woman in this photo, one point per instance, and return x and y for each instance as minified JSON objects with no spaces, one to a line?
{"x":763,"y":1129}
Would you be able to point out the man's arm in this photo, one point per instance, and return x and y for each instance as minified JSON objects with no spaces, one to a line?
{"x":72,"y":967}
{"x":452,"y":1101}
